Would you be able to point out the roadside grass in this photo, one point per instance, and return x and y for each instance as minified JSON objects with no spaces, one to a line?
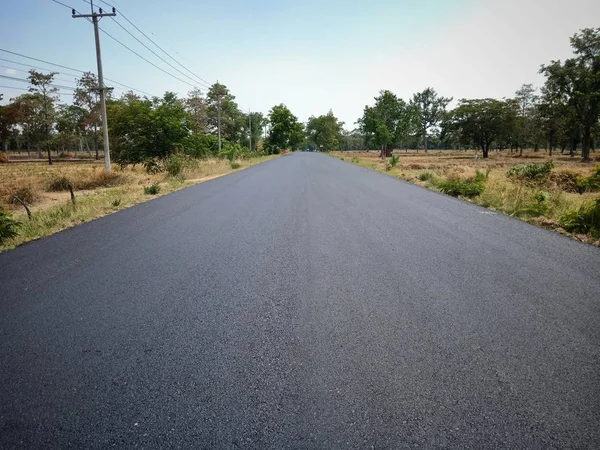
{"x":96,"y":194}
{"x":527,"y":187}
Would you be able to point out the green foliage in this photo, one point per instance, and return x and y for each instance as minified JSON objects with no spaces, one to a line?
{"x":325,"y":132}
{"x":481,"y":121}
{"x":116,"y":202}
{"x":58,"y":184}
{"x":388,"y":122}
{"x":152,"y":166}
{"x":589,"y":184}
{"x":153,"y":189}
{"x":145,"y":129}
{"x":200,"y":145}
{"x":430,"y":110}
{"x":426,"y":176}
{"x":235,"y":165}
{"x":175,"y":164}
{"x":531,"y":172}
{"x":482,"y":176}
{"x":461,"y":188}
{"x":8,"y":227}
{"x":286,"y":132}
{"x":394,"y":160}
{"x":585,"y":220}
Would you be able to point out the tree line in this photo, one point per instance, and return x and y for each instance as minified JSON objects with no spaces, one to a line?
{"x":563,"y":114}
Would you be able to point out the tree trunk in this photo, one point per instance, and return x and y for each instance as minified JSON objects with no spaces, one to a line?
{"x":585,"y":144}
{"x":485,"y":148}
{"x":49,"y":155}
{"x":425,"y":141}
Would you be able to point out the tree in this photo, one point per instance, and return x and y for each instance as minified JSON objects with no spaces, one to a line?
{"x":145,"y":129}
{"x":387,"y":123}
{"x":325,"y":132}
{"x":86,"y":97}
{"x":232,"y":123}
{"x":525,"y":102}
{"x":9,"y":119}
{"x":257,"y":121}
{"x":285,"y":131}
{"x":578,"y":79}
{"x":481,"y":122}
{"x":430,"y":109}
{"x":42,"y":84}
{"x":196,"y":106}
{"x":352,"y":140}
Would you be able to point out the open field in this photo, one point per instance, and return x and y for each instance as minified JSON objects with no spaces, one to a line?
{"x":542,"y":201}
{"x":43,"y":188}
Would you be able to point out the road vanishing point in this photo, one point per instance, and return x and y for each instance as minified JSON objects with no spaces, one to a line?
{"x":301,"y":303}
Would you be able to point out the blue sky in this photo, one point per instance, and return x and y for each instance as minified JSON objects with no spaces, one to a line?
{"x":311,"y":55}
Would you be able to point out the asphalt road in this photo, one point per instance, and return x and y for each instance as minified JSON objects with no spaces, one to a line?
{"x":301,"y":303}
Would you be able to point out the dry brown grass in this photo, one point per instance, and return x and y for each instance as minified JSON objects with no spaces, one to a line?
{"x":501,"y":193}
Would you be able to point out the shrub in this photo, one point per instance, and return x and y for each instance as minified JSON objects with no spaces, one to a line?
{"x":3,"y":158}
{"x":462,"y":188}
{"x":153,"y":189}
{"x":25,"y":193}
{"x":531,"y":172}
{"x":199,"y":145}
{"x":235,"y":165}
{"x":59,"y":184}
{"x":426,"y":176}
{"x":394,"y":160}
{"x":174,"y":165}
{"x":152,"y":166}
{"x":8,"y":227}
{"x":480,"y":176}
{"x":585,"y":220}
{"x":116,"y":202}
{"x":589,"y":184}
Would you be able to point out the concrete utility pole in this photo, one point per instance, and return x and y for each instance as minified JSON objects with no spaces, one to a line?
{"x":101,"y":86}
{"x":219,"y":113}
{"x":250,"y":128}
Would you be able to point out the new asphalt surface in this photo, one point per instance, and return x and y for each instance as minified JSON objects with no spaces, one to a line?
{"x":301,"y":303}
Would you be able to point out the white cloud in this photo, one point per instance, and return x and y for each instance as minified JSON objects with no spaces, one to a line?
{"x":10,"y":71}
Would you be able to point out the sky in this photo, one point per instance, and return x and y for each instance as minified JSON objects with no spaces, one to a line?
{"x":313,"y":56}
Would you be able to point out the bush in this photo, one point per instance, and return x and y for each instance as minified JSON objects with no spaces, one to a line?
{"x":199,"y":145}
{"x":426,"y":176}
{"x":585,"y":220}
{"x":531,"y":172}
{"x":235,"y":165}
{"x":153,"y":189}
{"x":116,"y":202}
{"x":59,"y":184}
{"x":462,"y":188}
{"x":589,"y":184}
{"x":174,"y":165}
{"x":25,"y":193}
{"x":480,"y":176}
{"x":152,"y":166}
{"x":8,"y":227}
{"x":394,"y":160}
{"x":3,"y":158}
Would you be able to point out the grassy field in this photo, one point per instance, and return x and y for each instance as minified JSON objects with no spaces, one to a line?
{"x":44,"y":189}
{"x":546,"y":199}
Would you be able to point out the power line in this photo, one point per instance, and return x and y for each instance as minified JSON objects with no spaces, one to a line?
{"x":158,"y":46}
{"x":27,"y":81}
{"x":35,"y":67}
{"x":156,"y":54}
{"x":26,"y":71}
{"x":68,"y":68}
{"x":25,"y":89}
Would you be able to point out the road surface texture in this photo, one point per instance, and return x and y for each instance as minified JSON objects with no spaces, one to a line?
{"x":301,"y":303}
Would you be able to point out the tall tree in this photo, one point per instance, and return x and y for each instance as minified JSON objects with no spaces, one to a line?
{"x":285,"y":130}
{"x":42,"y":84}
{"x":325,"y":131}
{"x":578,"y":78}
{"x":388,"y":122}
{"x":86,"y":97}
{"x":481,"y":122}
{"x":196,"y":106}
{"x":430,"y":109}
{"x":232,"y":123}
